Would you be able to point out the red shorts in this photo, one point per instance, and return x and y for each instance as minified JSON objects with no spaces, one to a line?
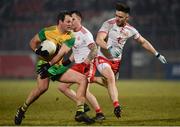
{"x":115,"y":64}
{"x":88,"y":70}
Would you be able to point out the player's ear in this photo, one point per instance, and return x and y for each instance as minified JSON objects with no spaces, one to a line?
{"x":60,"y":22}
{"x":127,"y":16}
{"x":79,"y":18}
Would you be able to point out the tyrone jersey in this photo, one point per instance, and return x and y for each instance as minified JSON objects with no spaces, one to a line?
{"x":117,"y":36}
{"x":80,"y":48}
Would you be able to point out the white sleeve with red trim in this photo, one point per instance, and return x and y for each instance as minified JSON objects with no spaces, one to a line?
{"x":88,"y":38}
{"x":105,"y":27}
{"x":135,"y":33}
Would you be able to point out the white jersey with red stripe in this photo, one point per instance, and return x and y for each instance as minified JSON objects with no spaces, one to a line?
{"x":80,"y":48}
{"x":117,"y":36}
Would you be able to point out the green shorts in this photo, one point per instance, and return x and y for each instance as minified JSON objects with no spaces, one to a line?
{"x":55,"y":71}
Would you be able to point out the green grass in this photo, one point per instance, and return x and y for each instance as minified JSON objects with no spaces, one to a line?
{"x":144,"y":102}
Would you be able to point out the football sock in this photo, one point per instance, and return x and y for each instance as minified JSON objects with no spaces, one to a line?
{"x":24,"y":107}
{"x":98,"y":110}
{"x":80,"y":108}
{"x":116,"y":103}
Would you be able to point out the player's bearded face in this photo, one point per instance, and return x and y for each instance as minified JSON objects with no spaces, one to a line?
{"x":67,"y":23}
{"x":121,"y":18}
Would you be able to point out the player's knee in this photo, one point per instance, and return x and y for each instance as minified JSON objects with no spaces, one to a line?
{"x":88,"y":94}
{"x":110,"y":78}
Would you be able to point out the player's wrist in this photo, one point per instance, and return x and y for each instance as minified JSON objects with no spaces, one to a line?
{"x":66,"y":62}
{"x":50,"y":63}
{"x":36,"y":50}
{"x":87,"y":61}
{"x":157,"y":54}
{"x":109,"y":47}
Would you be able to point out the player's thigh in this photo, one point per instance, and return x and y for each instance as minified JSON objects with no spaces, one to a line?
{"x":105,"y":70}
{"x":43,"y":83}
{"x":71,"y":76}
{"x":64,"y":86}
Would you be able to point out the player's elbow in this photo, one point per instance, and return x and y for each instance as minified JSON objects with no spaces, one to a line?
{"x":32,"y":44}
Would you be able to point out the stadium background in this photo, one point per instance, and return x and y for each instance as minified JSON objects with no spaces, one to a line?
{"x":157,"y":20}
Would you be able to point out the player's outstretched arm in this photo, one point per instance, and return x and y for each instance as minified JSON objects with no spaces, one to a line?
{"x":147,"y":45}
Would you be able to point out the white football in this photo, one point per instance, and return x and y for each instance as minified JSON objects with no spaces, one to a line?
{"x":49,"y":46}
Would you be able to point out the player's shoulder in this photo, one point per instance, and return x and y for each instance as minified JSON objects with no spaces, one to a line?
{"x":128,"y":26}
{"x":111,"y":21}
{"x":85,"y":31}
{"x":50,"y":28}
{"x":131,"y":28}
{"x":71,"y":34}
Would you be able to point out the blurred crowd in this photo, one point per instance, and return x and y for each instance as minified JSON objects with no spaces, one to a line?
{"x":157,"y":20}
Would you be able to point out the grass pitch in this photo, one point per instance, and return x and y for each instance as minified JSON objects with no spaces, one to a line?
{"x":144,"y":102}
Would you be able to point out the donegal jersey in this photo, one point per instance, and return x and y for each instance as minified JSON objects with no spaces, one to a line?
{"x":117,"y":36}
{"x":53,"y":34}
{"x":80,"y":48}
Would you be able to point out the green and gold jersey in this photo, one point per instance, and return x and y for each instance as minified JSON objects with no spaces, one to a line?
{"x":53,"y":34}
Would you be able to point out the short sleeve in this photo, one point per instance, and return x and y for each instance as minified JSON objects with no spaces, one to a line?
{"x":135,"y":33}
{"x":105,"y":27}
{"x":136,"y":36}
{"x":89,"y":38}
{"x":70,"y":42}
{"x":41,"y":35}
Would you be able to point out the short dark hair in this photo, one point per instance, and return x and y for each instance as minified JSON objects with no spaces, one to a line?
{"x":62,"y":14}
{"x":122,"y":7}
{"x":77,"y":13}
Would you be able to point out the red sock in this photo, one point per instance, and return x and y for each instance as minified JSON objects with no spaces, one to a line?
{"x":116,"y":103}
{"x":98,"y":110}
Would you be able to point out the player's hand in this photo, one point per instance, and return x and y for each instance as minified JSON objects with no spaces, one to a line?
{"x":39,"y":52}
{"x":115,"y":51}
{"x":161,"y":58}
{"x":43,"y":71}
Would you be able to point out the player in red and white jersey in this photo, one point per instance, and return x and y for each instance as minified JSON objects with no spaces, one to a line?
{"x":83,"y":54}
{"x":111,"y":39}
{"x":84,"y":51}
{"x":117,"y":36}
